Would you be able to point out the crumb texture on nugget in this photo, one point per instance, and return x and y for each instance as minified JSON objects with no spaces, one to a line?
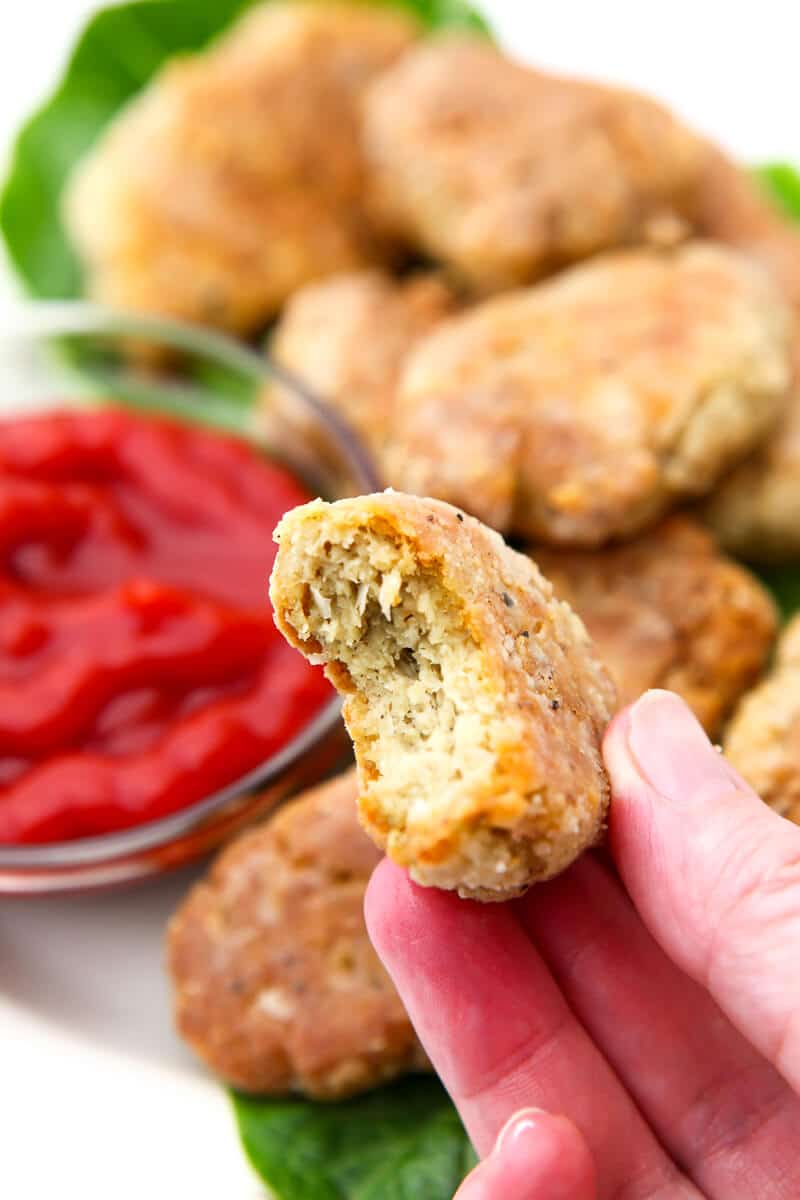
{"x":237,"y":175}
{"x":733,"y":207}
{"x":763,"y":739}
{"x":584,"y":408}
{"x":506,"y":173}
{"x":276,"y":986}
{"x":473,"y":696}
{"x":668,"y":610}
{"x":755,"y":512}
{"x":347,"y":338}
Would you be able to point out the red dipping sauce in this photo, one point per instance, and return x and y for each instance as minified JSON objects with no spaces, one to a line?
{"x":140,"y":669}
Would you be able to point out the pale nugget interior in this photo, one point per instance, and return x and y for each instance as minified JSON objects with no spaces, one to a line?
{"x":426,"y":712}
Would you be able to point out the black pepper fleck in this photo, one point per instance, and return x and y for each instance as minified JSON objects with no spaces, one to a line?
{"x":525,"y":633}
{"x":460,"y":516}
{"x":555,"y":704}
{"x":430,"y":517}
{"x":508,"y":600}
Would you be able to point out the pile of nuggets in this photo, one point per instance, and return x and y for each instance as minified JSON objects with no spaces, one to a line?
{"x":543,"y":300}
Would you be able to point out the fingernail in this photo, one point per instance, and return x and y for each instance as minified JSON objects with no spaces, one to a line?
{"x":513,"y":1156}
{"x":535,"y":1154}
{"x":672,"y":752}
{"x":518,"y":1126}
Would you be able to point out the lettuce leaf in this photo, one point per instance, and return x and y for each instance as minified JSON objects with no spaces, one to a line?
{"x":782,"y":182}
{"x":120,"y":49}
{"x":401,"y":1142}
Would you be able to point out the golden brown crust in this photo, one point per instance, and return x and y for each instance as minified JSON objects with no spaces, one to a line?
{"x":763,"y":739}
{"x":732,"y":207}
{"x":600,"y":397}
{"x":276,"y":986}
{"x":347,"y":338}
{"x":221,"y":188}
{"x":473,"y":696}
{"x":669,"y":611}
{"x":755,"y":512}
{"x":506,"y":173}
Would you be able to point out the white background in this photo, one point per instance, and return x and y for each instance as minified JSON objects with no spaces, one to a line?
{"x":97,"y":1099}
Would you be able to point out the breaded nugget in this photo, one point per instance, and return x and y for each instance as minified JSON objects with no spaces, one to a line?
{"x":473,"y":696}
{"x":347,"y":338}
{"x":733,"y":207}
{"x":763,"y":739}
{"x":507,"y":173}
{"x":276,"y":985}
{"x":669,"y":611}
{"x":583,"y":408}
{"x":755,"y":512}
{"x":236,"y":176}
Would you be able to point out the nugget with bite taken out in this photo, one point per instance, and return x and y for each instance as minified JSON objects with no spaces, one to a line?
{"x":473,"y":695}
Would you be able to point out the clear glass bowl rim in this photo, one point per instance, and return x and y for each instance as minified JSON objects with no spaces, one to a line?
{"x":52,"y":319}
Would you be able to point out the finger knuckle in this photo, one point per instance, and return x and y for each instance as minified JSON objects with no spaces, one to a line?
{"x":755,"y":900}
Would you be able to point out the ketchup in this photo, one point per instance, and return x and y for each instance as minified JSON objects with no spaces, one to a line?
{"x":140,"y":669}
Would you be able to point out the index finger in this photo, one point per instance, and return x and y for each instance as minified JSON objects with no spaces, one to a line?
{"x":501,"y":1035}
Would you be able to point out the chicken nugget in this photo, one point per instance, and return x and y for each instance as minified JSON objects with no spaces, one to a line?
{"x":473,"y":696}
{"x":733,"y":207}
{"x":236,"y":175}
{"x":669,"y":611}
{"x":506,"y":173}
{"x":622,"y":385}
{"x":348,"y":336}
{"x":276,"y":985}
{"x":763,"y":739}
{"x":755,"y":512}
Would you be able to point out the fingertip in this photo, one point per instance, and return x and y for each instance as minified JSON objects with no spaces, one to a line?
{"x":384,"y":890}
{"x":644,"y":739}
{"x":657,"y":752}
{"x":537,"y":1153}
{"x":398,"y":911}
{"x":617,"y":730}
{"x":386,"y":907}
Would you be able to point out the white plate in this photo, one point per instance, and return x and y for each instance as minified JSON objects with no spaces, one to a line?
{"x":98,"y":1098}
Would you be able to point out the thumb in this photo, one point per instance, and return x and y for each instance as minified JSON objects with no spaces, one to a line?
{"x":713,"y":872}
{"x":537,"y":1156}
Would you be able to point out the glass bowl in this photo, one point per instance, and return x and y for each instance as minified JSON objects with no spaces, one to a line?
{"x":57,"y":354}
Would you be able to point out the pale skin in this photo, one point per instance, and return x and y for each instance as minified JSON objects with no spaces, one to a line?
{"x":631,"y":1030}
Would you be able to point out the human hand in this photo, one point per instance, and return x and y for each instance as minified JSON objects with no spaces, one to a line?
{"x":658,"y":1013}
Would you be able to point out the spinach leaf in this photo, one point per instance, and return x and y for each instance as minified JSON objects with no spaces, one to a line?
{"x":784,"y":583}
{"x":401,"y":1142}
{"x":120,"y":49}
{"x":782,"y":183}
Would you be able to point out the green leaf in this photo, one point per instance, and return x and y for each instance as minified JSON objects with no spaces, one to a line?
{"x":401,"y":1142}
{"x":782,"y":182}
{"x":784,"y":583}
{"x":119,"y":51}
